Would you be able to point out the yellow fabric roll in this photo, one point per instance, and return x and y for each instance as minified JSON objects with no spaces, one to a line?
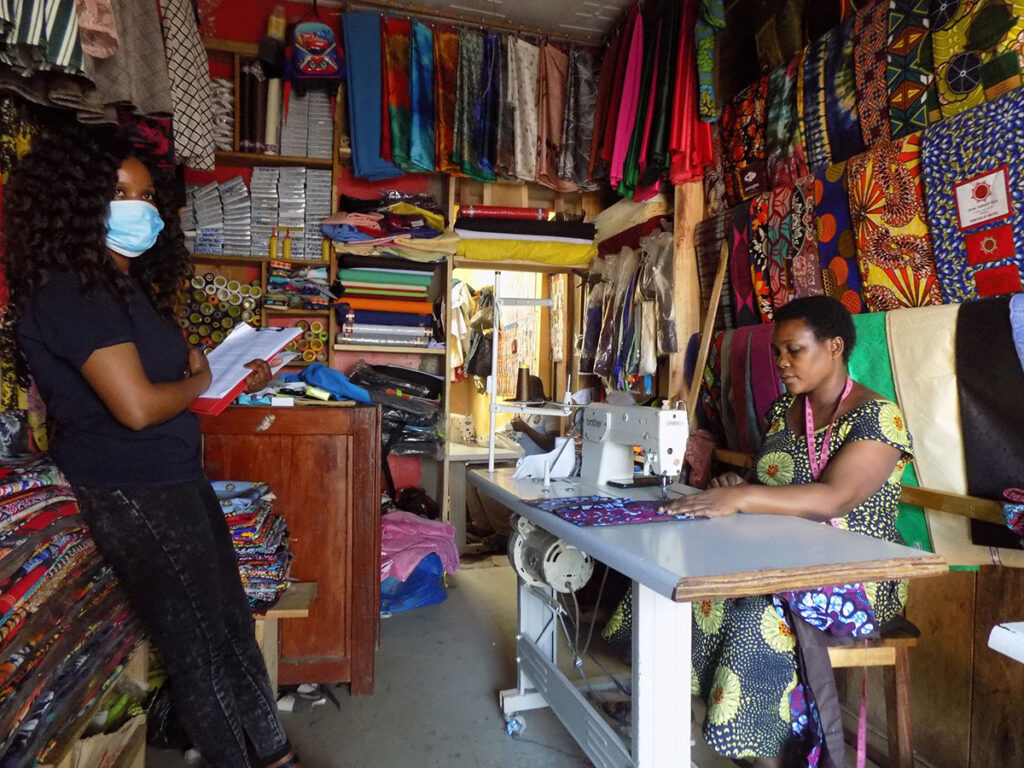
{"x":559,"y":254}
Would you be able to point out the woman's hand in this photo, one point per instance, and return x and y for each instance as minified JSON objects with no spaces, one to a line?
{"x":518,"y":424}
{"x":198,"y":365}
{"x":727,"y":479}
{"x":260,"y":376}
{"x":714,"y":502}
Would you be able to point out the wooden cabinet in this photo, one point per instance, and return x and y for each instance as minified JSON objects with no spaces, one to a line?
{"x":323,"y":464}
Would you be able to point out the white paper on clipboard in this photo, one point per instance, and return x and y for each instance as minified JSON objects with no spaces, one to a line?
{"x":245,"y":344}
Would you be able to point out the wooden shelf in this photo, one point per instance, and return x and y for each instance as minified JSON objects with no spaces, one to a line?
{"x":248,"y":159}
{"x":219,"y":258}
{"x":394,"y":349}
{"x":286,"y":311}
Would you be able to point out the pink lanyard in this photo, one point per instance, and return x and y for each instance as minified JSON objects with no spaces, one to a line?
{"x":818,"y":462}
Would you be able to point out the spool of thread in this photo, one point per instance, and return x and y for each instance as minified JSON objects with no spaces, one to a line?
{"x":309,"y":356}
{"x":523,"y":384}
{"x":208,"y":277}
{"x":244,"y":289}
{"x":210,"y":289}
{"x":255,"y":291}
{"x":316,"y":345}
{"x":220,"y":281}
{"x":197,"y":282}
{"x":234,"y":286}
{"x":322,"y":336}
{"x":321,"y":356}
{"x":303,"y":324}
{"x":246,"y":316}
{"x":316,"y":326}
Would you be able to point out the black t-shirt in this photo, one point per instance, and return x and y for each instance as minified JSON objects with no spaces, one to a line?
{"x":58,"y":332}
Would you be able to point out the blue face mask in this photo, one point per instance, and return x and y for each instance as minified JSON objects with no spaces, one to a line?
{"x":132,"y":227}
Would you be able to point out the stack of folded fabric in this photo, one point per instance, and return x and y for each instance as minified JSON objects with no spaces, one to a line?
{"x":65,"y":625}
{"x":385,"y":301}
{"x":291,"y":286}
{"x":260,"y":538}
{"x":512,"y":237}
{"x":411,"y":227}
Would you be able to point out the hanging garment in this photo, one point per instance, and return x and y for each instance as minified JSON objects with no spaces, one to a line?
{"x":780,"y":244}
{"x":974,"y":188}
{"x":805,"y":270}
{"x":97,"y":28}
{"x":578,"y":119}
{"x":844,"y":135}
{"x":715,"y":198}
{"x":485,"y":111}
{"x":709,"y":236}
{"x":870,"y":39}
{"x":527,"y":71}
{"x":644,"y":115}
{"x":551,"y":96}
{"x":837,"y":248}
{"x":977,"y":51}
{"x":710,"y":21}
{"x":421,"y":98}
{"x":396,"y":119}
{"x":784,"y":141}
{"x":812,"y":81}
{"x":744,"y":142}
{"x":189,"y":74}
{"x":690,"y":136}
{"x":655,"y":158}
{"x":629,"y":104}
{"x":505,"y":153}
{"x":659,"y":253}
{"x":41,"y":36}
{"x":908,"y":56}
{"x":363,"y":71}
{"x":888,"y":219}
{"x":623,"y":43}
{"x":598,"y":167}
{"x":745,"y":311}
{"x":468,"y":89}
{"x":446,"y":65}
{"x":757,"y":239}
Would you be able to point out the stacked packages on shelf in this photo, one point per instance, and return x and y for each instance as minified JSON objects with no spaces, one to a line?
{"x":410,"y":226}
{"x":288,"y":203}
{"x":297,"y":286}
{"x":65,"y":626}
{"x":260,"y":538}
{"x":385,"y":301}
{"x":213,"y":305}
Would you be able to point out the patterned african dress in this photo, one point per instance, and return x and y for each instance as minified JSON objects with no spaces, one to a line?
{"x":744,"y":650}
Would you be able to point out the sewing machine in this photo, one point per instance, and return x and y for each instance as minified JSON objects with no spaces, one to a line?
{"x":611,"y":431}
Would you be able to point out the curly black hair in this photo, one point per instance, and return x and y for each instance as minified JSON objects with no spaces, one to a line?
{"x":55,"y":210}
{"x":826,"y":317}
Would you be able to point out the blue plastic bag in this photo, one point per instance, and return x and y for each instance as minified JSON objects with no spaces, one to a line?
{"x":425,"y":586}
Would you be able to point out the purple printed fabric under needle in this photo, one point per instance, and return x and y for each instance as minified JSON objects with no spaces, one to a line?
{"x":603,"y":510}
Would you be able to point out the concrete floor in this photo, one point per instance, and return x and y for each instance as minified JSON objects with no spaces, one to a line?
{"x":435,"y":703}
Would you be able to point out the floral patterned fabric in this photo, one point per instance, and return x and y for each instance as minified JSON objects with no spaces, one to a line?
{"x":780,"y":244}
{"x":805,"y":270}
{"x":887,"y":213}
{"x":759,"y":256}
{"x":715,"y":197}
{"x":837,"y":249}
{"x":710,"y":21}
{"x":744,"y":651}
{"x":908,"y":56}
{"x":745,"y":312}
{"x":602,"y":510}
{"x":870,"y":37}
{"x":744,"y":143}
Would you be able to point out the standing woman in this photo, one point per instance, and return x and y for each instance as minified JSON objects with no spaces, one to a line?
{"x":833,"y":452}
{"x":94,"y":258}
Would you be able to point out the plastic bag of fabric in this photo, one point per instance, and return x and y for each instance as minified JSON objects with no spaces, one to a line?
{"x":420,"y":413}
{"x":592,"y":319}
{"x":623,"y":268}
{"x":385,"y":377}
{"x":425,"y":586}
{"x":335,"y":382}
{"x":659,"y":285}
{"x":421,"y":449}
{"x":163,"y":726}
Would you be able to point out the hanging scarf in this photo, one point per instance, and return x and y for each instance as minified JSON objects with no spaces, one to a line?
{"x":468,"y":90}
{"x":397,"y":116}
{"x":627,"y":111}
{"x":757,"y":239}
{"x":485,"y":111}
{"x":786,"y":161}
{"x":908,"y":56}
{"x":805,"y":269}
{"x":813,"y":118}
{"x":578,"y":120}
{"x":421,"y":98}
{"x":710,"y":21}
{"x":624,"y":43}
{"x":744,"y":311}
{"x":715,"y":200}
{"x":836,"y":248}
{"x":981,"y":258}
{"x":888,"y":218}
{"x":642,"y":124}
{"x":743,"y":142}
{"x":709,"y":236}
{"x":870,"y":33}
{"x":779,"y":244}
{"x":505,"y":157}
{"x":191,"y":92}
{"x":527,"y":65}
{"x":446,"y":65}
{"x":690,"y":137}
{"x":977,"y":53}
{"x":844,"y":137}
{"x":656,"y":160}
{"x":598,"y":168}
{"x":551,"y":88}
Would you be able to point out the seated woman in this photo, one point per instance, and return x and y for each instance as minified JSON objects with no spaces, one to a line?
{"x":833,"y":452}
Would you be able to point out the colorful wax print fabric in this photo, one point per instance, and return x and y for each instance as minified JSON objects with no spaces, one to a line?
{"x":757,"y":239}
{"x":785,"y":149}
{"x":870,"y":41}
{"x":397,"y":118}
{"x":908,"y":57}
{"x":837,"y":250}
{"x":844,"y":135}
{"x":715,"y":198}
{"x":603,"y":510}
{"x":446,"y":65}
{"x":974,"y":187}
{"x":812,"y":103}
{"x":710,"y":21}
{"x":745,"y":311}
{"x":780,"y":244}
{"x":744,"y":142}
{"x":805,"y":270}
{"x":977,"y":49}
{"x":888,"y":218}
{"x":710,"y":235}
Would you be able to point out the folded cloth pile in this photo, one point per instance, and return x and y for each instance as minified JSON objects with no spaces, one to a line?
{"x":400,"y":225}
{"x":260,"y":538}
{"x":293,"y":286}
{"x":65,"y":625}
{"x":385,"y":301}
{"x":491,"y":238}
{"x":405,"y":539}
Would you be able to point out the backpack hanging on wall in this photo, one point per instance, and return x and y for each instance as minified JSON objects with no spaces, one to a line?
{"x":314,"y":58}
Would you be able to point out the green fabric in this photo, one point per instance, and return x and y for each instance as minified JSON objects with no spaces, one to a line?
{"x":870,"y":366}
{"x":394,"y":278}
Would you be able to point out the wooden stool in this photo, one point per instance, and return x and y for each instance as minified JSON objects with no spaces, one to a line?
{"x":892,"y":651}
{"x":294,"y":604}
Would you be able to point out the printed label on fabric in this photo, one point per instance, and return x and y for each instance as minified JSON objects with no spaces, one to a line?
{"x":983,"y":199}
{"x":987,"y":245}
{"x":752,"y":179}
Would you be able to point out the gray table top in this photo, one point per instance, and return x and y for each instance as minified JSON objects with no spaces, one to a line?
{"x":733,"y":556}
{"x":475,"y":453}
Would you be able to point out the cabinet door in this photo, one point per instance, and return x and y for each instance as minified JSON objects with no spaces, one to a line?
{"x":323,"y":465}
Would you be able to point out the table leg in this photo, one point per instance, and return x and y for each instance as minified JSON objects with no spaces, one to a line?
{"x":537,"y":625}
{"x":266,"y":638}
{"x":457,"y":501}
{"x":661,"y":680}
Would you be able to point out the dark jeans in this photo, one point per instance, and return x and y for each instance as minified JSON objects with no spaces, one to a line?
{"x":172,"y":551}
